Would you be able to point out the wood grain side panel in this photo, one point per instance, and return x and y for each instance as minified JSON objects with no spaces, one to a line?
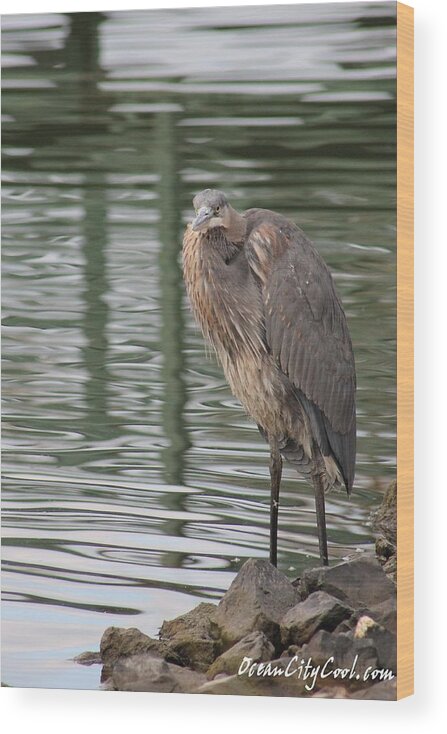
{"x":405,"y":351}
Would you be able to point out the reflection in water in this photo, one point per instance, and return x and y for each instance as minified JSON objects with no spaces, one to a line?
{"x":171,"y":294}
{"x":97,"y":311}
{"x":133,"y":483}
{"x":172,"y":327}
{"x":82,"y":59}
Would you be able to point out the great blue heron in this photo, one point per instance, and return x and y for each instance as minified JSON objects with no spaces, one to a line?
{"x":265,"y":299}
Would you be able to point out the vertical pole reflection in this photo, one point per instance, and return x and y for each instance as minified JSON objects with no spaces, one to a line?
{"x":82,"y":58}
{"x":172,"y":329}
{"x":171,"y":290}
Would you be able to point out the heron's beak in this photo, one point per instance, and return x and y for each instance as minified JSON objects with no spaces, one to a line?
{"x":203,"y":215}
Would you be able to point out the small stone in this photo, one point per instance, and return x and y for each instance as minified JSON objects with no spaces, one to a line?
{"x":318,"y":611}
{"x":363,"y":625}
{"x":257,"y":599}
{"x":255,"y":646}
{"x":88,"y":658}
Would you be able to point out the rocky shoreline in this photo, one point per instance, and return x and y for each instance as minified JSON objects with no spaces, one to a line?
{"x":330,"y":633}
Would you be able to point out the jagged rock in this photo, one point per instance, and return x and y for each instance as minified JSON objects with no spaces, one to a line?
{"x":255,"y":646}
{"x":257,"y":599}
{"x":384,"y":521}
{"x":193,"y":637}
{"x":148,"y":673}
{"x":359,"y":583}
{"x":118,"y":642}
{"x":318,"y":611}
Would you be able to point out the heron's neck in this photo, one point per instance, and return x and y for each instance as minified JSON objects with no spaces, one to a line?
{"x":226,"y":242}
{"x":217,"y":247}
{"x":236,"y":227}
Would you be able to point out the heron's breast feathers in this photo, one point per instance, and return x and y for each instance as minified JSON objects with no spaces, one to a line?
{"x":227,"y":307}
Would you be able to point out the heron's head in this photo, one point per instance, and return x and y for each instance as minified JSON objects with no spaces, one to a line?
{"x":212,"y":210}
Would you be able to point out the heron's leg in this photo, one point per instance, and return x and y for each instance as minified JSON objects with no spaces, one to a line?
{"x":321,"y":516}
{"x":275,"y":476}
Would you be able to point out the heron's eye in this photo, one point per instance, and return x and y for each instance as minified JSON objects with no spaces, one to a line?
{"x":217,"y":210}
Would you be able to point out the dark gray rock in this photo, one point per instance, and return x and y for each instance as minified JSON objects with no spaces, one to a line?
{"x":318,"y":611}
{"x":359,"y":583}
{"x":386,"y":646}
{"x":255,"y":646}
{"x":148,"y":673}
{"x":320,"y":647}
{"x":193,"y":637}
{"x":257,"y":599}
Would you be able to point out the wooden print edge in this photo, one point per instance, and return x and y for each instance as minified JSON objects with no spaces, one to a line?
{"x":405,"y":351}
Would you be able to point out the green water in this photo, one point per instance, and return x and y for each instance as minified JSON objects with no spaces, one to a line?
{"x":133,"y":484}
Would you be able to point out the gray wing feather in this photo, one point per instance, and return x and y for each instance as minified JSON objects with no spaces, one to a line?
{"x":306,"y":330}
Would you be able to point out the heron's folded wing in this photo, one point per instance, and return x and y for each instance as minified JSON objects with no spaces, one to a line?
{"x":305,"y":325}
